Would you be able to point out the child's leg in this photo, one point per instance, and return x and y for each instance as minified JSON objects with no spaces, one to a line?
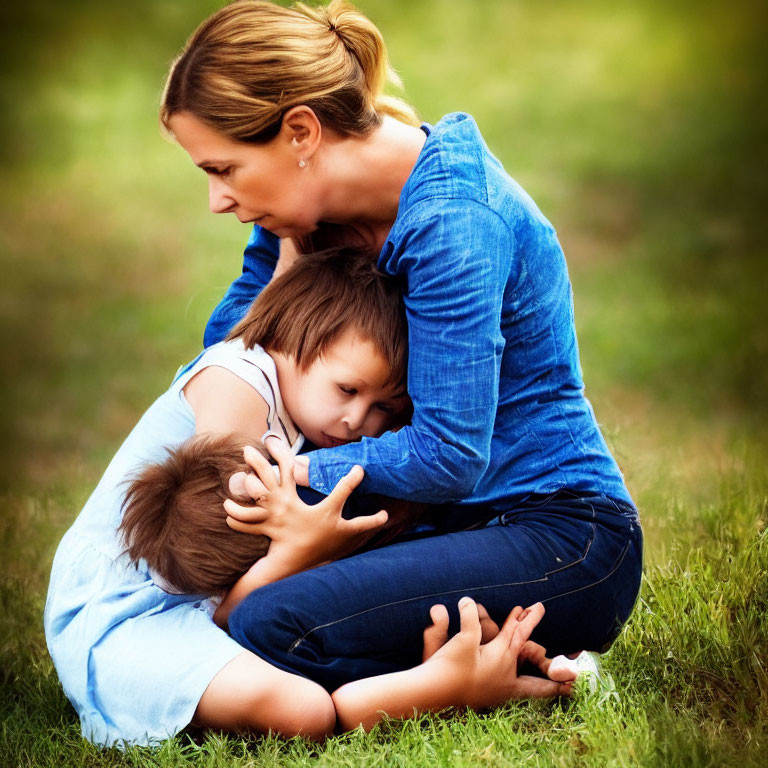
{"x":248,"y":694}
{"x":464,"y":671}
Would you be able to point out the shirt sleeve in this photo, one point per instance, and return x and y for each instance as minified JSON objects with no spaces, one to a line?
{"x":259,"y":260}
{"x":454,"y":260}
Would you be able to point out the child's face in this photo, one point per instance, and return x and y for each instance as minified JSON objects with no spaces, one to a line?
{"x":343,"y":395}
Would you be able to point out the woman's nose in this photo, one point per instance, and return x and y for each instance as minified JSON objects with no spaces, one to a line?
{"x":219,"y":198}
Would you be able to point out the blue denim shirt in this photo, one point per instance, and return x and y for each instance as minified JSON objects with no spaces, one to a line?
{"x":494,"y":374}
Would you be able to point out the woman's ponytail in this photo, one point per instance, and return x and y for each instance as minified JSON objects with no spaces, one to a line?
{"x":252,"y":60}
{"x":363,"y":40}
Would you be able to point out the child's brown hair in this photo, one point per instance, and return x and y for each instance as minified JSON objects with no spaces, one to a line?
{"x":322,"y":295}
{"x":173,"y":512}
{"x":174,"y":517}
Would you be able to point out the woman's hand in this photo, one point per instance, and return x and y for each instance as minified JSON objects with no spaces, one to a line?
{"x":303,"y":536}
{"x":480,"y":663}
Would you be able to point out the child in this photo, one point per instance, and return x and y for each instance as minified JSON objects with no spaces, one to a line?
{"x":304,"y":327}
{"x":140,"y":663}
{"x":336,"y":333}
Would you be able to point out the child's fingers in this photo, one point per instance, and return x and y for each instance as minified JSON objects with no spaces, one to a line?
{"x":279,"y":451}
{"x":562,"y":669}
{"x":345,"y":486}
{"x":538,"y":688}
{"x":470,"y":621}
{"x":536,"y":654}
{"x":237,"y":487}
{"x":488,"y":626}
{"x":260,"y":466}
{"x":254,"y":529}
{"x":526,"y":623}
{"x":436,"y":634}
{"x":509,"y":627}
{"x":254,"y":488}
{"x":365,"y":523}
{"x":244,"y":514}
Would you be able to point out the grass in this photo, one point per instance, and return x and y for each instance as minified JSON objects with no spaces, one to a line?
{"x":638,"y":127}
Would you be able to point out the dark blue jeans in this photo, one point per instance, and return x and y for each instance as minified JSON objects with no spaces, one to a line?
{"x":364,"y":615}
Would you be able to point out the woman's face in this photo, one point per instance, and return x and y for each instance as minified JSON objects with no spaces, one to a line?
{"x":259,"y":183}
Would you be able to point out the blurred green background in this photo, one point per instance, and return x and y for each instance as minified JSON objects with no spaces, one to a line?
{"x":639,"y":127}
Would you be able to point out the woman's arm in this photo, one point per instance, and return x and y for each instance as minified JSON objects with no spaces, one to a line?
{"x":259,"y":263}
{"x":455,"y":261}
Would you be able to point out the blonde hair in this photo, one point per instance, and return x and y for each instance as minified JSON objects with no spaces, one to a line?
{"x":250,"y":62}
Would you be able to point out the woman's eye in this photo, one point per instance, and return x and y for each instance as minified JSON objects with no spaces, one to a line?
{"x":347,"y":390}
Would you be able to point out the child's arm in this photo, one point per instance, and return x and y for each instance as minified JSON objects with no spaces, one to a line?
{"x":461,"y":672}
{"x":264,"y":571}
{"x":223,"y":402}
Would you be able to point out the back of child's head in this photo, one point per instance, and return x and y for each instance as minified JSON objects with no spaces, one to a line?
{"x":320,"y":297}
{"x":174,"y":517}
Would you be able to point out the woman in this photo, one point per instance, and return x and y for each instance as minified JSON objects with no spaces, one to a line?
{"x":283,"y":110}
{"x":139,"y":663}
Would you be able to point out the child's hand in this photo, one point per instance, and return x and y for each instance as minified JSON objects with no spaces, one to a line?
{"x":436,"y":634}
{"x":484,"y":674}
{"x":303,"y":535}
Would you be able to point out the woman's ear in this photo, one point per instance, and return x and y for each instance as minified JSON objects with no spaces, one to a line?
{"x":303,"y":131}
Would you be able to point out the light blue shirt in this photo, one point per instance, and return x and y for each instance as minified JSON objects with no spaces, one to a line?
{"x":493,"y":372}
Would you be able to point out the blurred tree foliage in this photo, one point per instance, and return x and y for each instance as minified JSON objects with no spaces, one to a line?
{"x":639,"y":127}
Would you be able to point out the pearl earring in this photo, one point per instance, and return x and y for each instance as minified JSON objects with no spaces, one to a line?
{"x":302,"y":163}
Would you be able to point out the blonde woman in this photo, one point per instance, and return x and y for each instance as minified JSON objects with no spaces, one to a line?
{"x":283,"y":110}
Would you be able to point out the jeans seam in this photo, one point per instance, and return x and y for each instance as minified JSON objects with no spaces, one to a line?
{"x":595,"y":583}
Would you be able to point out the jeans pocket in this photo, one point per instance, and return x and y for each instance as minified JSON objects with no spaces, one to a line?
{"x":560,"y":545}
